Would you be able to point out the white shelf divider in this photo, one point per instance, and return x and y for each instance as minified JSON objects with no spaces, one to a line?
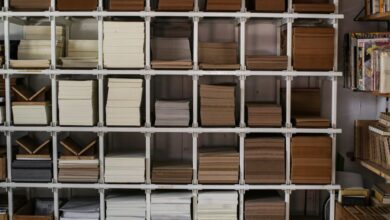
{"x":287,"y":194}
{"x":56,"y":205}
{"x":102,"y":204}
{"x":148,"y":204}
{"x":241,"y":213}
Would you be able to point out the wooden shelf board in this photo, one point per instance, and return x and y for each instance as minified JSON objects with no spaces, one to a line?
{"x":378,"y":170}
{"x":377,"y":17}
{"x":387,"y":95}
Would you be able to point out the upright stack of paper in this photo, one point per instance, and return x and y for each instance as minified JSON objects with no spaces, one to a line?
{"x":173,"y":5}
{"x":34,"y":50}
{"x":218,"y":55}
{"x":77,"y":102}
{"x":124,"y":102}
{"x":171,"y":53}
{"x":81,"y":208}
{"x":218,"y":165}
{"x":217,"y":205}
{"x":217,"y":105}
{"x":124,"y":168}
{"x":121,"y":206}
{"x":172,"y":172}
{"x":264,"y":115}
{"x":81,"y":54}
{"x":171,"y":205}
{"x":265,"y":205}
{"x":123,"y":44}
{"x":172,"y":113}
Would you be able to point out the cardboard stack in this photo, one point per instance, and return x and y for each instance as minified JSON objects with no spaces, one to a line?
{"x":76,"y":5}
{"x":171,"y":205}
{"x":171,"y":53}
{"x":172,"y":172}
{"x":223,"y":5}
{"x":28,"y":5}
{"x":173,"y":5}
{"x":265,"y":205}
{"x":264,"y":115}
{"x":218,"y":55}
{"x":81,"y":54}
{"x":124,"y":168}
{"x":260,"y":62}
{"x":220,"y":205}
{"x":172,"y":113}
{"x":313,"y":6}
{"x":126,"y":5}
{"x":121,"y":206}
{"x":266,"y":5}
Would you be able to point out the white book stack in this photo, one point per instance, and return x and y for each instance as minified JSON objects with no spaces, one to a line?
{"x":81,"y":54}
{"x":123,"y":44}
{"x":32,"y":113}
{"x":81,"y":209}
{"x":221,"y":205}
{"x":125,"y":207}
{"x":77,"y":102}
{"x":171,"y":205}
{"x":124,"y":102}
{"x":172,"y":113}
{"x":384,"y":86}
{"x":125,"y":168}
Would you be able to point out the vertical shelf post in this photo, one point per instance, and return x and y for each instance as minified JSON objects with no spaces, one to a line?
{"x":54,"y":136}
{"x":10,"y":203}
{"x":54,"y":105}
{"x":8,"y":109}
{"x":242,"y":101}
{"x":100,"y":22}
{"x":290,"y":22}
{"x":101,"y":156}
{"x":288,"y":101}
{"x":288,"y":137}
{"x":56,"y":205}
{"x":287,"y":194}
{"x":9,"y":156}
{"x":195,"y":48}
{"x":6,"y":38}
{"x":6,"y":5}
{"x":100,"y":78}
{"x":241,"y":213}
{"x":148,"y":137}
{"x":242,"y":42}
{"x":147,"y":43}
{"x":147,"y":5}
{"x":53,"y":32}
{"x":195,"y":137}
{"x":148,"y":122}
{"x":332,"y":214}
{"x":195,"y":101}
{"x":102,"y":204}
{"x":148,"y":204}
{"x":242,"y":158}
{"x":195,"y":204}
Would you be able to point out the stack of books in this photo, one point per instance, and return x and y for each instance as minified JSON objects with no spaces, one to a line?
{"x":265,"y":205}
{"x":123,"y":44}
{"x":123,"y":5}
{"x":34,"y":50}
{"x":377,"y":7}
{"x":362,"y":138}
{"x":218,"y":55}
{"x":221,"y":205}
{"x":27,"y":5}
{"x":124,"y":102}
{"x":218,"y":165}
{"x":264,"y":115}
{"x":217,"y":105}
{"x":77,"y":102}
{"x":81,"y":208}
{"x":172,"y":113}
{"x":78,"y":163}
{"x":173,"y":5}
{"x":317,"y":6}
{"x":384,"y":121}
{"x":171,"y":53}
{"x":311,"y":160}
{"x":172,"y":172}
{"x":30,"y":107}
{"x":171,"y":205}
{"x":354,"y":196}
{"x":369,"y":212}
{"x":261,"y":62}
{"x":381,"y":193}
{"x":223,"y":5}
{"x":121,"y":206}
{"x":81,"y":54}
{"x":124,"y":168}
{"x":265,"y":160}
{"x":33,"y":161}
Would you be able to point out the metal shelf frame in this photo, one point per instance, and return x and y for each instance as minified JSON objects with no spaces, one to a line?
{"x":100,"y":74}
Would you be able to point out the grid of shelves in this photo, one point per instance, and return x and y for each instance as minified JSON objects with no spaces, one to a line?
{"x":148,"y":130}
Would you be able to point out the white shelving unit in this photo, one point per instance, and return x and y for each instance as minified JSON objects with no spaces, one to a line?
{"x":100,"y":74}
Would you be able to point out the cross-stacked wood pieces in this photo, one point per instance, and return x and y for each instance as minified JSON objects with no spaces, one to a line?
{"x":218,"y":55}
{"x":266,"y":5}
{"x":264,"y":115}
{"x":313,"y":6}
{"x":265,"y":160}
{"x":126,"y":5}
{"x":265,"y":205}
{"x":218,"y":165}
{"x":217,"y":105}
{"x":30,"y":5}
{"x":223,"y":5}
{"x":261,"y":62}
{"x":311,"y":159}
{"x":175,"y":5}
{"x":172,"y":172}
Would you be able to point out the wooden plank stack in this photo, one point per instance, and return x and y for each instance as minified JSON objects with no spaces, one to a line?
{"x":218,"y":55}
{"x":223,"y":5}
{"x":126,"y":5}
{"x":267,"y":205}
{"x":264,"y":115}
{"x":174,"y":5}
{"x":172,"y":172}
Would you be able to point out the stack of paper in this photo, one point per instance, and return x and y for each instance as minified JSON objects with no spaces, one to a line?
{"x":27,"y":5}
{"x":123,"y":102}
{"x":172,"y":113}
{"x":81,"y":54}
{"x":81,"y":208}
{"x":173,"y":5}
{"x":311,"y":122}
{"x":125,"y":206}
{"x":264,"y":115}
{"x":77,"y":102}
{"x":221,"y":205}
{"x":218,"y":55}
{"x":125,"y":5}
{"x":223,"y":5}
{"x":265,"y":205}
{"x":172,"y":172}
{"x":124,"y":168}
{"x":34,"y":50}
{"x":265,"y":160}
{"x":259,"y":62}
{"x":171,"y":205}
{"x":217,"y":105}
{"x":218,"y":165}
{"x":123,"y":44}
{"x":171,"y":53}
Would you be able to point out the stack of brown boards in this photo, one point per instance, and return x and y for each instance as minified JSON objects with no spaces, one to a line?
{"x":266,"y":5}
{"x":171,"y":53}
{"x":172,"y":172}
{"x":264,"y":115}
{"x":260,"y":62}
{"x":362,"y":138}
{"x":217,"y":105}
{"x":172,"y":28}
{"x":223,"y":5}
{"x":218,"y":165}
{"x":218,"y":55}
{"x":126,"y":5}
{"x":264,"y":205}
{"x":313,"y":6}
{"x":265,"y":160}
{"x":3,"y":163}
{"x":311,"y":122}
{"x":76,"y":5}
{"x":78,"y":163}
{"x":30,"y":5}
{"x":174,"y":5}
{"x":311,"y":160}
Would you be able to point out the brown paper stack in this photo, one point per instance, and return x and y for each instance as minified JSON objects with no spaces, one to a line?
{"x":265,"y":160}
{"x":218,"y":55}
{"x":266,"y":205}
{"x":313,"y":6}
{"x":266,"y":5}
{"x":217,"y":105}
{"x":264,"y":115}
{"x":311,"y":159}
{"x":126,"y":5}
{"x":172,"y":172}
{"x":311,"y":122}
{"x":174,"y":5}
{"x":259,"y":62}
{"x":218,"y":165}
{"x":223,"y":5}
{"x":77,"y":5}
{"x":30,"y":5}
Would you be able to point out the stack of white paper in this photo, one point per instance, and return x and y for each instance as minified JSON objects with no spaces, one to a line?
{"x":33,"y":113}
{"x":81,"y":54}
{"x":172,"y":113}
{"x":77,"y":102}
{"x":123,"y":102}
{"x":171,"y":205}
{"x":124,"y":168}
{"x":221,"y":205}
{"x":81,"y":208}
{"x":125,"y":207}
{"x":123,"y":44}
